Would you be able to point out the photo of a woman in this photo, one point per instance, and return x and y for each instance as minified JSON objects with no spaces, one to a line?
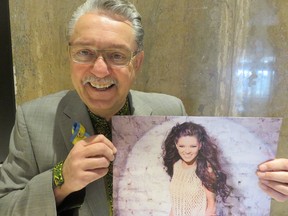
{"x":191,"y":166}
{"x":191,"y":160}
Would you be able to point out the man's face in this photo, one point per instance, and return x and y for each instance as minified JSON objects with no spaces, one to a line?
{"x":101,"y":86}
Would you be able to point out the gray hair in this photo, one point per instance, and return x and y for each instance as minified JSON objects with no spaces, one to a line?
{"x":119,"y":7}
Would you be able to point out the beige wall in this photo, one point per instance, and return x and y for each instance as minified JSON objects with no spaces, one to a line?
{"x":223,"y":58}
{"x":40,"y":46}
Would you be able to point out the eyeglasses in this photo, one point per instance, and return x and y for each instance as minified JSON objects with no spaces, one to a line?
{"x":113,"y":57}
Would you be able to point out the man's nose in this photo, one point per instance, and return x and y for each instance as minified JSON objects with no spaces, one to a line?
{"x":100,"y":68}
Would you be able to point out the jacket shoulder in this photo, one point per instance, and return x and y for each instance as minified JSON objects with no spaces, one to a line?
{"x":153,"y":96}
{"x":160,"y":104}
{"x":45,"y":101}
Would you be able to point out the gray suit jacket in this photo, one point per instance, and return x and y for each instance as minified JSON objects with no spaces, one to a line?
{"x":40,"y":139}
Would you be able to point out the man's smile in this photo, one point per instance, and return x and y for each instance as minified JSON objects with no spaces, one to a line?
{"x":102,"y":86}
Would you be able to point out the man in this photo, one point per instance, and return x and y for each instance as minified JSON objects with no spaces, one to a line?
{"x":44,"y":173}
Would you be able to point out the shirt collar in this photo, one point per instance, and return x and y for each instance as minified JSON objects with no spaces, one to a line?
{"x":101,"y":126}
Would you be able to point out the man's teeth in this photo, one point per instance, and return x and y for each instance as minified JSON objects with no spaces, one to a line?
{"x":101,"y":86}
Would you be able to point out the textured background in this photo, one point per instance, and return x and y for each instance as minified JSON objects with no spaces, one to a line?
{"x":222,"y":58}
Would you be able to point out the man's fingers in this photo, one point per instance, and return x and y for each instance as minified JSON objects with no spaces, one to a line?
{"x":99,"y":150}
{"x":272,"y":189}
{"x":274,"y":165}
{"x":88,"y":161}
{"x":96,"y":163}
{"x":280,"y":176}
{"x":100,"y":139}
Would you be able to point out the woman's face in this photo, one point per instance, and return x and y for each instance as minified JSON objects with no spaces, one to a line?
{"x":188,"y":148}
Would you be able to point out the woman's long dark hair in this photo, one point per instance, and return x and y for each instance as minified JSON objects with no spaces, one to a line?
{"x":214,"y":181}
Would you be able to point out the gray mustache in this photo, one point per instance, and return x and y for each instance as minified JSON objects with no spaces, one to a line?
{"x":104,"y":80}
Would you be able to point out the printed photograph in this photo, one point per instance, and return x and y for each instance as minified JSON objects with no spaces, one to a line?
{"x":185,"y":166}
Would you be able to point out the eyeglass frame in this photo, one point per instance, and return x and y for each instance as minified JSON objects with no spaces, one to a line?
{"x":132,"y":55}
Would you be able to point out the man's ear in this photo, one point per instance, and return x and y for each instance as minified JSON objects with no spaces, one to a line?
{"x":138,"y":61}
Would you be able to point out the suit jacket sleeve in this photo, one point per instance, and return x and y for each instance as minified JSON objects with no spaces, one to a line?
{"x":23,"y":189}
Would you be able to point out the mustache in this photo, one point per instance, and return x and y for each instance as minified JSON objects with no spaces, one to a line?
{"x":93,"y":79}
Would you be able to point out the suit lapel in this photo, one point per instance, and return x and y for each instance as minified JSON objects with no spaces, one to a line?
{"x":70,"y":110}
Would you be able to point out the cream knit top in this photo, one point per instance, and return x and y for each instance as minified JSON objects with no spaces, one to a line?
{"x":187,"y":192}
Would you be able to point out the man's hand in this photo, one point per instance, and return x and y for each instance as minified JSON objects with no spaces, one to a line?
{"x":88,"y":161}
{"x":273,"y":178}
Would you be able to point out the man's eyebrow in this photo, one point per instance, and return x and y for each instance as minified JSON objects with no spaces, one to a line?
{"x":90,"y":44}
{"x":83,"y":43}
{"x":119,"y":46}
{"x":111,"y":46}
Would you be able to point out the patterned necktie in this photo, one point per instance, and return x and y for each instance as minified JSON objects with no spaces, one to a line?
{"x":101,"y":126}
